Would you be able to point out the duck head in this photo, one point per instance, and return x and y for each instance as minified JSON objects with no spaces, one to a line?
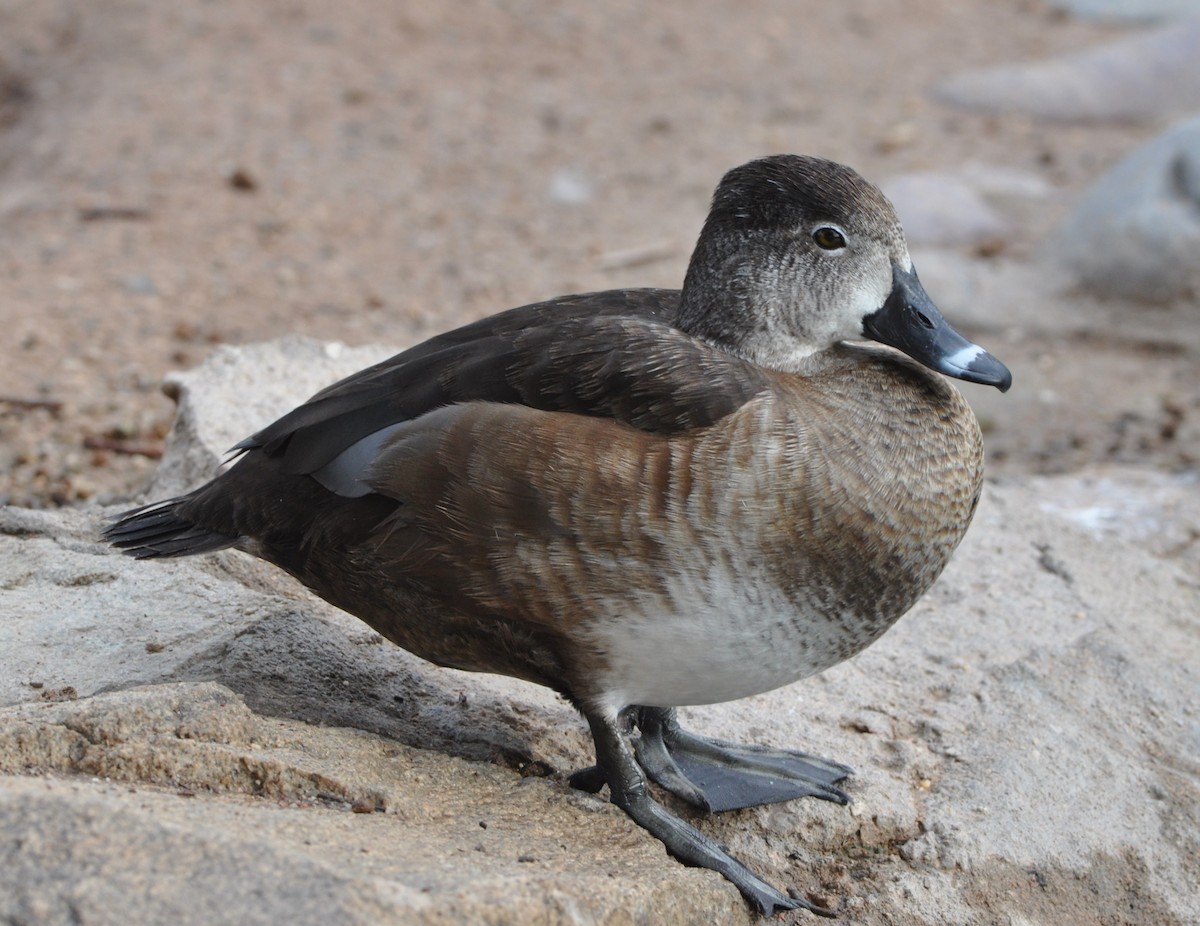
{"x":800,"y":253}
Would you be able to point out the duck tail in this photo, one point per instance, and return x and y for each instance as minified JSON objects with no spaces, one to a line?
{"x":161,"y":530}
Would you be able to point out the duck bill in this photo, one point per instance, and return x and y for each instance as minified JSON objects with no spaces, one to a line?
{"x":909,"y":321}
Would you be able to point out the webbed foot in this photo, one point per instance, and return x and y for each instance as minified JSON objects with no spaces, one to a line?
{"x":627,"y":786}
{"x":716,"y":775}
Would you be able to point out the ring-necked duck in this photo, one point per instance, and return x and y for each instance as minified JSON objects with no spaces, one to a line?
{"x":642,"y":498}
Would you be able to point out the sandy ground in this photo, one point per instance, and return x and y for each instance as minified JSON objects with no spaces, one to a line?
{"x":173,"y":176}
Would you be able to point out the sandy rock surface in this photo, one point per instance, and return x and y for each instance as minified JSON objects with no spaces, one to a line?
{"x":1026,"y":739}
{"x":202,"y":741}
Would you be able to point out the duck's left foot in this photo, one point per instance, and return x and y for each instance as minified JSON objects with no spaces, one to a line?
{"x":715,"y":775}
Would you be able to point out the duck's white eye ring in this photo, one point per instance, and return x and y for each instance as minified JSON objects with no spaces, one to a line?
{"x":829,"y":238}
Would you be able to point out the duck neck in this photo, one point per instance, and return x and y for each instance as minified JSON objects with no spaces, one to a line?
{"x":729,"y":300}
{"x":715,"y":304}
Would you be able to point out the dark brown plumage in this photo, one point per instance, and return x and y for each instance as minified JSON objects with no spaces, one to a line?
{"x":641,"y":498}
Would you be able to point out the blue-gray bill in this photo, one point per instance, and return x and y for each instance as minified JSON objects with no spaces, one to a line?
{"x":910,"y":322}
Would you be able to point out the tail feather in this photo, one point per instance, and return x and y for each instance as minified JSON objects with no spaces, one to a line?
{"x":160,"y":530}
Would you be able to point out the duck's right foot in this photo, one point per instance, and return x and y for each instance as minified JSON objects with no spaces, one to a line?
{"x":627,"y":786}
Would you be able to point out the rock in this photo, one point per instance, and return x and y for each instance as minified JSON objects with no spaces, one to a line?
{"x":139,"y":285}
{"x":1141,"y":77}
{"x":244,"y":389}
{"x":231,"y":811}
{"x":952,"y":208}
{"x":1127,"y":10}
{"x":1136,"y":233}
{"x":570,"y":187}
{"x":942,"y":209}
{"x":1155,"y":510}
{"x":1025,"y":740}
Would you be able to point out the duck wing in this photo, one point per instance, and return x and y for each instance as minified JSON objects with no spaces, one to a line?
{"x":609,"y":355}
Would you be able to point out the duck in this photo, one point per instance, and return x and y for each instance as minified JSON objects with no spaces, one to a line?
{"x":642,"y":499}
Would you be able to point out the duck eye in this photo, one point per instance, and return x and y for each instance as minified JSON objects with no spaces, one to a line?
{"x":829,"y":238}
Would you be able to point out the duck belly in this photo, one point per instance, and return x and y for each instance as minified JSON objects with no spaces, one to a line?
{"x":718,"y":635}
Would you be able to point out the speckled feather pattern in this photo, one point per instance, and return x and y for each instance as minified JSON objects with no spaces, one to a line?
{"x":823,"y":526}
{"x":634,"y":497}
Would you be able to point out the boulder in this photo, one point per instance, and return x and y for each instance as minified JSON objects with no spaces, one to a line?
{"x":1136,"y":232}
{"x":954,"y":208}
{"x":1127,"y":10}
{"x":1137,"y":78}
{"x":239,"y":390}
{"x":201,"y":740}
{"x":943,"y":209}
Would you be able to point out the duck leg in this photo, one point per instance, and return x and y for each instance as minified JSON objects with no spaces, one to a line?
{"x":716,"y":776}
{"x":627,"y":787}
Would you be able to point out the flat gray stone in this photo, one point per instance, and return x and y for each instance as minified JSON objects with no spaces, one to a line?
{"x":956,"y":208}
{"x":1127,"y":10}
{"x":1136,"y":232}
{"x":1141,"y":77}
{"x":72,"y":619}
{"x":1023,"y":740}
{"x":244,"y":389}
{"x":943,"y":209}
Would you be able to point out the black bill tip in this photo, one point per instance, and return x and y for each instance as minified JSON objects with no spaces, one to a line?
{"x":909,"y":321}
{"x":975,"y":365}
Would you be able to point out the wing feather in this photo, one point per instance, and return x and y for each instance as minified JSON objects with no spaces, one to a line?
{"x":608,"y":355}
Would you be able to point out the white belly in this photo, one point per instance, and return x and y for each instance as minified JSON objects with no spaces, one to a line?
{"x":719,"y":634}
